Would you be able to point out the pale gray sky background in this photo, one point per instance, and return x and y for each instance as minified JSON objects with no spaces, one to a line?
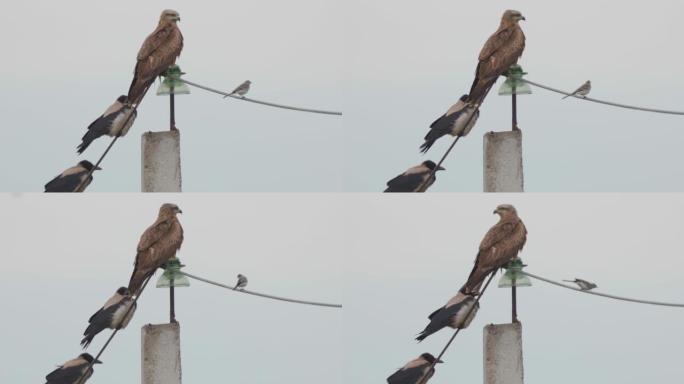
{"x":408,"y":255}
{"x":63,"y":256}
{"x":407,"y":62}
{"x":65,"y":63}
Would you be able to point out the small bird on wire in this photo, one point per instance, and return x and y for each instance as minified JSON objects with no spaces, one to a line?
{"x":414,"y":179}
{"x":582,"y":91}
{"x":457,"y":313}
{"x":241,"y":283}
{"x":453,"y":122}
{"x":111,"y":123}
{"x":114,"y":314}
{"x":414,"y":370}
{"x":73,"y":179}
{"x":583,"y":284}
{"x":241,"y":89}
{"x":71,"y":371}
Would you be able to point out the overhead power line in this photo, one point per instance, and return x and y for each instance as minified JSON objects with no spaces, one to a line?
{"x":604,"y":101}
{"x":228,"y":94}
{"x":261,"y":294}
{"x":592,"y":292}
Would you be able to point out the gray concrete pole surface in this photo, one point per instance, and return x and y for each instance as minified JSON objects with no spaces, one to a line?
{"x":161,"y":359}
{"x":503,"y":360}
{"x":503,"y":167}
{"x":161,"y":165}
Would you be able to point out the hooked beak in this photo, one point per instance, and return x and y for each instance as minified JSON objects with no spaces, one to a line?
{"x":178,"y":18}
{"x":179,"y":211}
{"x":495,"y":212}
{"x":521,"y":18}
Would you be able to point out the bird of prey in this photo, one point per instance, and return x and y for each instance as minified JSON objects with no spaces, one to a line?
{"x":414,"y":370}
{"x":71,"y":371}
{"x":415,"y":179}
{"x":456,"y":313}
{"x":583,"y":284}
{"x":73,"y":179}
{"x":241,"y":89}
{"x":453,"y":122}
{"x":157,"y":245}
{"x":500,"y":245}
{"x":242,"y":282}
{"x":501,"y":50}
{"x":158,"y":52}
{"x":114,"y":314}
{"x":583,"y":90}
{"x":115,"y":121}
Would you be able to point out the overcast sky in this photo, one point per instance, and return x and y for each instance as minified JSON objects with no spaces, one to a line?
{"x":65,"y":63}
{"x":64,"y":256}
{"x":407,"y":62}
{"x":409,"y":255}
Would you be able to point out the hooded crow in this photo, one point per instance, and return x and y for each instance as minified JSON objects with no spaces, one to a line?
{"x":457,"y":313}
{"x":157,"y":245}
{"x":241,"y":283}
{"x":414,"y":179}
{"x":111,"y":123}
{"x":114,"y":314}
{"x":453,"y":123}
{"x":71,"y":178}
{"x":71,"y":371}
{"x":414,"y":370}
{"x":583,"y":284}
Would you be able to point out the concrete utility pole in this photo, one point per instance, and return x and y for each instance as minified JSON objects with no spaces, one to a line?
{"x":161,"y":165}
{"x":503,"y":167}
{"x":161,"y":361}
{"x":503,"y":361}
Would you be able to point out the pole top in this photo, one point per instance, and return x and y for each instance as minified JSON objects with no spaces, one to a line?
{"x":172,"y":275}
{"x":514,"y":82}
{"x":172,"y":82}
{"x":514,"y":275}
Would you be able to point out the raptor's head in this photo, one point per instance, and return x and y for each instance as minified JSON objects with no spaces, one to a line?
{"x":511,"y":17}
{"x":505,"y":210}
{"x":169,"y":16}
{"x":169,"y":209}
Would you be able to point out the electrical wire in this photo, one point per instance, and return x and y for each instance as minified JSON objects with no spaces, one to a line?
{"x":592,"y":292}
{"x":603,"y":101}
{"x":227,"y":94}
{"x":82,"y":378}
{"x":261,"y":294}
{"x":426,"y":375}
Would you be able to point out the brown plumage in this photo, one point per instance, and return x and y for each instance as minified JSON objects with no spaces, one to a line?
{"x":157,"y":245}
{"x":501,"y":50}
{"x":501,"y":244}
{"x":158,"y":52}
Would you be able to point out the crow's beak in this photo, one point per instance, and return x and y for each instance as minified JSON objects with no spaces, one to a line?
{"x":97,"y":361}
{"x":439,"y":361}
{"x":98,"y":168}
{"x":440,"y":168}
